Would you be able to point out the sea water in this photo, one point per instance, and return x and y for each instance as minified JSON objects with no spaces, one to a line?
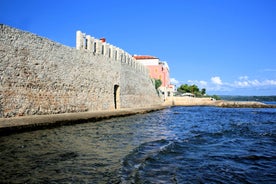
{"x":174,"y":145}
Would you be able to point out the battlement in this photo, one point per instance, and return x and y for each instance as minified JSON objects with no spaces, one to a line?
{"x":101,"y":47}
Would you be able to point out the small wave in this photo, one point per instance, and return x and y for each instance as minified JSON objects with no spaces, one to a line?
{"x":198,"y":159}
{"x":138,"y":158}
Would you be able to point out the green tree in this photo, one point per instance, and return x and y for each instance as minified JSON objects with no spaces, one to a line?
{"x":203,"y":91}
{"x":194,"y":89}
{"x":184,"y":88}
{"x":157,"y":83}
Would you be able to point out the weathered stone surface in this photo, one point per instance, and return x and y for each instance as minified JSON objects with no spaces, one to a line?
{"x":39,"y":76}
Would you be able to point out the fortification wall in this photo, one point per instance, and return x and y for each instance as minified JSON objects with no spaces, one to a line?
{"x":39,"y":76}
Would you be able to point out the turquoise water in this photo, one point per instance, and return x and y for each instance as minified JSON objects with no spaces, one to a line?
{"x":174,"y":145}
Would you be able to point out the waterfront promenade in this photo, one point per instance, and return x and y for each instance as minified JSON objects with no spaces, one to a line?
{"x":26,"y":123}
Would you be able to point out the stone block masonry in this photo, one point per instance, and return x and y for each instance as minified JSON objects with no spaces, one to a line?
{"x":39,"y":76}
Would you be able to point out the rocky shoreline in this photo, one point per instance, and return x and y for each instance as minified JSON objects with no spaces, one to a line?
{"x":243,"y":104}
{"x":192,"y":101}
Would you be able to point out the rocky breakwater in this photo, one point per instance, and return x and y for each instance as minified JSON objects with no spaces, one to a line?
{"x":191,"y":101}
{"x":243,"y":104}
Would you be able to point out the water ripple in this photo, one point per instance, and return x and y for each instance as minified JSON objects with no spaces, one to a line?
{"x":175,"y":145}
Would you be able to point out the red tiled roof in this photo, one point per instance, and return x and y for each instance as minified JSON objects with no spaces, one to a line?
{"x":145,"y":57}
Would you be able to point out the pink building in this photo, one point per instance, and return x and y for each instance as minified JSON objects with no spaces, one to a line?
{"x":158,"y":70}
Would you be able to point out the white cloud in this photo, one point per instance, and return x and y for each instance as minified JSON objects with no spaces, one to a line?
{"x":216,"y":80}
{"x":245,"y":82}
{"x":203,"y":83}
{"x":174,"y":81}
{"x":243,"y":77}
{"x":270,"y":82}
{"x":240,"y":84}
{"x":192,"y":81}
{"x":254,"y":83}
{"x":198,"y":83}
{"x":268,"y":70}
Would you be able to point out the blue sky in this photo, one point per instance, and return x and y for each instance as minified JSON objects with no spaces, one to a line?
{"x":225,"y":46}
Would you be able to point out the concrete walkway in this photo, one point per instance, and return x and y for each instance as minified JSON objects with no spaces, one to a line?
{"x":27,"y":123}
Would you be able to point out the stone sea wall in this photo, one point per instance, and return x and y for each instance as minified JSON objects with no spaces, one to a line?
{"x":39,"y":76}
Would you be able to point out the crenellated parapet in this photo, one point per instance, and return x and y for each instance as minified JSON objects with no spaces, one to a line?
{"x":101,"y":47}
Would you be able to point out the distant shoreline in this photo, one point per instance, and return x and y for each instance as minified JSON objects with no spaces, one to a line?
{"x":270,"y":98}
{"x":193,"y":101}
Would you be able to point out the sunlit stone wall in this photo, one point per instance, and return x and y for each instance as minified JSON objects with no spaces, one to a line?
{"x":39,"y":76}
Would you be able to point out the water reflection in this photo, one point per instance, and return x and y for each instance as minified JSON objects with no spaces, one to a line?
{"x":89,"y":152}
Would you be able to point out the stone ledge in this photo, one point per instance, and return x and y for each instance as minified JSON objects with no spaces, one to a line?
{"x":28,"y":123}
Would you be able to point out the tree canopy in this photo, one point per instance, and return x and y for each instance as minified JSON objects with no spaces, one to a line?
{"x":194,"y":89}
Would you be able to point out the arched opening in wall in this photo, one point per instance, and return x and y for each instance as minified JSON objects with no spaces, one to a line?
{"x":95,"y":47}
{"x":116,"y":96}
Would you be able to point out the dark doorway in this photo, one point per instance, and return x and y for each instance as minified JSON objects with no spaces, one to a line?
{"x":116,"y":96}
